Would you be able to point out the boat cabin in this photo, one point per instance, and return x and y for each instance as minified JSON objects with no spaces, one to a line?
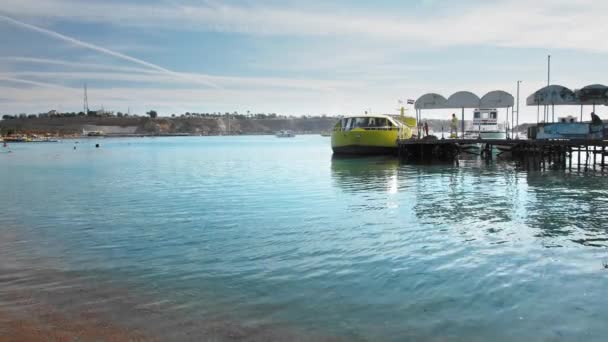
{"x":485,"y":119}
{"x":380,"y":123}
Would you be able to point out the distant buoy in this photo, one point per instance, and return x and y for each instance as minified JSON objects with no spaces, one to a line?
{"x":96,"y":145}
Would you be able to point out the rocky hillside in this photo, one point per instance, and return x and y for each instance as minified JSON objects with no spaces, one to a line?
{"x":163,"y":125}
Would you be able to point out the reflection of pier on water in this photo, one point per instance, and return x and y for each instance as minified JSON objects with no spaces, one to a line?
{"x":498,"y":201}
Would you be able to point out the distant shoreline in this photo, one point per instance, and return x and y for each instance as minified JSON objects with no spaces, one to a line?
{"x":164,"y":126}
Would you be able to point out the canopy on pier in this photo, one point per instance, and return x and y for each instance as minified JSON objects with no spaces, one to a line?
{"x":552,"y":95}
{"x":559,"y":95}
{"x":592,"y":94}
{"x":466,"y":99}
{"x":431,"y":101}
{"x":497,"y":99}
{"x":463,"y":99}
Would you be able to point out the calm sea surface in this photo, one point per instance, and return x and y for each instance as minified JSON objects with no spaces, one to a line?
{"x":267,"y":238}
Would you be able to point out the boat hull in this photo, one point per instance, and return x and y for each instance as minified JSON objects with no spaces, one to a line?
{"x":365,"y":150}
{"x":364,"y":142}
{"x":492,"y":135}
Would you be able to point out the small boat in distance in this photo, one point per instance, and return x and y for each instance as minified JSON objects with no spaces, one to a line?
{"x":325,"y":134}
{"x":93,"y":133}
{"x":285,"y":134}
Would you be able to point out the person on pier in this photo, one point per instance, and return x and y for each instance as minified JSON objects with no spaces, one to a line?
{"x":595,"y":120}
{"x":454,"y":126}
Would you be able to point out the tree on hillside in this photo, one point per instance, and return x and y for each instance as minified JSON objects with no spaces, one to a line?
{"x":153,"y":114}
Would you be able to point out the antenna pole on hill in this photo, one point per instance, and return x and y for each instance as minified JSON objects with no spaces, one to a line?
{"x":86,"y":101}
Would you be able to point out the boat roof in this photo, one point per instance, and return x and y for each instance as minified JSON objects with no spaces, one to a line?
{"x":384,"y":116}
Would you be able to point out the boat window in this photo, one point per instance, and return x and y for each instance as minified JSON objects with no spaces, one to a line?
{"x":361,"y":122}
{"x":348,"y":123}
{"x":493,"y":115}
{"x":476,"y":115}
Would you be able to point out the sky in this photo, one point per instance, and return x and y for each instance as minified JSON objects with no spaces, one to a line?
{"x":291,"y":57}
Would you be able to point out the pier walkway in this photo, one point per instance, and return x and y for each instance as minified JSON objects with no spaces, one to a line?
{"x":540,"y":153}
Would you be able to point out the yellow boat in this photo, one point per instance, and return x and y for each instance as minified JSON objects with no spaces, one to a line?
{"x":371,"y":134}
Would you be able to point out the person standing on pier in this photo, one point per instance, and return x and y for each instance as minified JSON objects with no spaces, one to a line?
{"x":595,"y":120}
{"x":454,"y":126}
{"x":426,"y":129}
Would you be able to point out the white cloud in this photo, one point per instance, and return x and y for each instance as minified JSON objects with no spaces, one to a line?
{"x":511,"y":23}
{"x":368,"y":77}
{"x":78,"y":71}
{"x":96,"y":48}
{"x":73,"y":64}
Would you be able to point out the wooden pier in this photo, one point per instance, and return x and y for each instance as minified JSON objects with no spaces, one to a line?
{"x":536,"y":154}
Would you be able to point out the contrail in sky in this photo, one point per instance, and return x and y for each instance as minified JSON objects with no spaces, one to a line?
{"x":101,"y":49}
{"x":41,"y":84}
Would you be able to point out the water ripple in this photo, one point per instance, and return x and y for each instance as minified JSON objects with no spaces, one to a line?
{"x":255,"y":238}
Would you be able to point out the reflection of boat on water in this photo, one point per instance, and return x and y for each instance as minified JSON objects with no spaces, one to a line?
{"x":471,"y":148}
{"x":285,"y":134}
{"x":363,"y":174}
{"x":371,"y":134}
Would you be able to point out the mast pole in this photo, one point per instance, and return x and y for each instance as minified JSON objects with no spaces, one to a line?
{"x":462,"y":123}
{"x":517,"y":120}
{"x":548,"y":84}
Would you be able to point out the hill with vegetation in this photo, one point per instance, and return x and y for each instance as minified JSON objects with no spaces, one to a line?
{"x":195,"y":124}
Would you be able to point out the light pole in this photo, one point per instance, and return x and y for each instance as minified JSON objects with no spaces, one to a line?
{"x":517,"y":120}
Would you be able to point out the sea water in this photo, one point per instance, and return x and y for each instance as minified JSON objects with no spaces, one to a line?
{"x":256,"y":237}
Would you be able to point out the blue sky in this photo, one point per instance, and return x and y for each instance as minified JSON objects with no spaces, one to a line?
{"x":292,"y":57}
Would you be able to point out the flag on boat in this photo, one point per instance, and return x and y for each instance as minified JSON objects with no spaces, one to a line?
{"x":410,"y":101}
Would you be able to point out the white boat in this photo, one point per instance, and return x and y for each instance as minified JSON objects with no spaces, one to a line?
{"x":93,"y":133}
{"x":485,"y":125}
{"x":285,"y":134}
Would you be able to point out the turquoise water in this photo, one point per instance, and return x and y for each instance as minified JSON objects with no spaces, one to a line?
{"x":259,"y":237}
